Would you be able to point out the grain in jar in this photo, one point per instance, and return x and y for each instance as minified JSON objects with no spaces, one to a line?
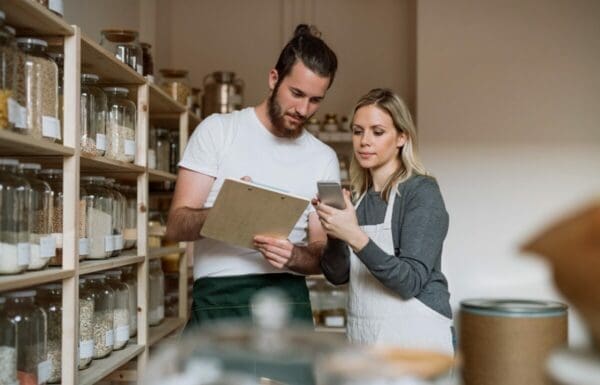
{"x":120,"y":125}
{"x":86,"y":325}
{"x":175,"y":83}
{"x":130,"y":231}
{"x":99,"y":202}
{"x":121,"y":318}
{"x":156,"y":301}
{"x":104,"y":301}
{"x":49,"y":298}
{"x":93,"y":116}
{"x":8,"y":69}
{"x":163,"y":139}
{"x":118,"y":215}
{"x":8,"y":348}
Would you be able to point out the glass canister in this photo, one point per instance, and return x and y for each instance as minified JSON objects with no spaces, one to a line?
{"x":147,"y":60}
{"x":196,"y":100}
{"x":49,"y":298}
{"x":41,"y":84}
{"x":104,"y":302}
{"x":16,"y":108}
{"x":93,"y":116}
{"x":86,"y":324}
{"x":118,"y":215}
{"x":99,"y":201}
{"x":130,"y":278}
{"x":15,"y":203}
{"x":33,"y":366}
{"x":8,"y":72}
{"x":175,"y":83}
{"x":124,"y":44}
{"x":59,"y":59}
{"x":121,"y":318}
{"x":8,"y":348}
{"x":157,"y":293}
{"x":174,"y":152}
{"x":162,"y":149}
{"x":152,"y":148}
{"x":130,"y":227}
{"x":43,"y":244}
{"x":120,"y":125}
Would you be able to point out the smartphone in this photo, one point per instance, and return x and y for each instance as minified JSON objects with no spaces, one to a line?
{"x":331,"y":194}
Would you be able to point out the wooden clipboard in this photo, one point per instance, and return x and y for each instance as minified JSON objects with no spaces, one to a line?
{"x":243,"y":210}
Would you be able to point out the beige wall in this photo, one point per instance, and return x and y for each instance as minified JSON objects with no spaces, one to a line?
{"x":93,"y":16}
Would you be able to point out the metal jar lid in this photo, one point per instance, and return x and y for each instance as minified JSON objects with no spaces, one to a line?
{"x":507,"y":307}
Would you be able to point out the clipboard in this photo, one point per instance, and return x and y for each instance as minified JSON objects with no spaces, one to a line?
{"x":243,"y":210}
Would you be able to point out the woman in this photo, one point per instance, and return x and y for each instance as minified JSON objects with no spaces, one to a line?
{"x":389,"y":244}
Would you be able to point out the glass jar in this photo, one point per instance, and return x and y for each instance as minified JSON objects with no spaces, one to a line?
{"x":333,"y":306}
{"x":43,"y":244}
{"x":196,"y":100}
{"x":8,"y":71}
{"x":175,"y":83}
{"x":157,"y":293}
{"x":56,"y":6}
{"x":59,"y":59}
{"x":130,"y":228}
{"x":147,"y":60}
{"x":152,"y":148}
{"x":86,"y":325}
{"x":104,"y":302}
{"x":121,"y":318}
{"x":15,"y":203}
{"x":8,"y":348}
{"x":129,"y":276}
{"x":118,"y":215}
{"x":174,"y":152}
{"x":41,"y":83}
{"x":331,"y":123}
{"x":33,"y":366}
{"x":93,"y":116}
{"x":162,"y":149}
{"x":124,"y":44}
{"x":16,"y":108}
{"x":313,"y":126}
{"x":49,"y":298}
{"x":43,"y":2}
{"x":99,"y":202}
{"x":120,"y":125}
{"x":171,"y":306}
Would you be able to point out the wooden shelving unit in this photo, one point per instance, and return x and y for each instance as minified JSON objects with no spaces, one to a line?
{"x":166,"y":327}
{"x":104,"y":367}
{"x":126,"y":258}
{"x":161,"y":176}
{"x":34,"y":278}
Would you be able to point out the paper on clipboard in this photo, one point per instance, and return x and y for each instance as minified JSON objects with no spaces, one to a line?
{"x":243,"y":210}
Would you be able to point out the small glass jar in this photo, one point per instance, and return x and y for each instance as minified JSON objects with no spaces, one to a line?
{"x":130,"y":278}
{"x":162,"y":149}
{"x":43,"y":244}
{"x":93,"y":116}
{"x":331,"y":123}
{"x":86,"y":325}
{"x":15,"y":200}
{"x":174,"y":152}
{"x":152,"y":148}
{"x":130,"y":227}
{"x":157,"y":293}
{"x":8,"y":72}
{"x":41,"y":82}
{"x":171,"y":306}
{"x":125,"y":45}
{"x":313,"y":126}
{"x":147,"y":60}
{"x":33,"y":366}
{"x":59,"y":59}
{"x":57,"y":7}
{"x":104,"y":302}
{"x":99,"y":201}
{"x":118,"y":215}
{"x":49,"y":298}
{"x":8,"y":348}
{"x":196,"y":101}
{"x":121,"y":318}
{"x":175,"y":83}
{"x":120,"y":125}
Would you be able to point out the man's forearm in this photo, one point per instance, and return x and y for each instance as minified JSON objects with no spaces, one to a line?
{"x":306,"y":259}
{"x":184,"y":224}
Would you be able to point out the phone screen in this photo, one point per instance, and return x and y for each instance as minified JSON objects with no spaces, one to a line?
{"x":331,"y":194}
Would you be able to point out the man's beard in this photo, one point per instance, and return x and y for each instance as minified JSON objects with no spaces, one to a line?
{"x":277,"y":118}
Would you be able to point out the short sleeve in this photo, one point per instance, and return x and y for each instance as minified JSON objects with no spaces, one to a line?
{"x":202,"y":151}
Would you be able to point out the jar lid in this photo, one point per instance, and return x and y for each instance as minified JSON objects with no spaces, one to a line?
{"x":30,"y":166}
{"x":117,"y":90}
{"x":33,"y":41}
{"x":8,"y":162}
{"x":113,"y":273}
{"x":92,"y":77}
{"x":507,"y":307}
{"x":21,"y":294}
{"x":173,"y":73}
{"x":119,"y":35}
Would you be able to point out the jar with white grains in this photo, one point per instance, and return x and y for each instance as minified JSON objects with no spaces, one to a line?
{"x":156,"y":285}
{"x":130,"y":278}
{"x":120,"y":125}
{"x":103,"y":321}
{"x":49,"y":298}
{"x":86,"y":325}
{"x":121,"y":310}
{"x":118,"y":215}
{"x":99,"y":203}
{"x":93,"y":116}
{"x":8,"y":348}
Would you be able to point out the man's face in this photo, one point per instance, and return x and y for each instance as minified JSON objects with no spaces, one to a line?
{"x":295,"y":99}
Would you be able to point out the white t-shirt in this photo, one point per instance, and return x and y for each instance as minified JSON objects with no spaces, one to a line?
{"x":235,"y":145}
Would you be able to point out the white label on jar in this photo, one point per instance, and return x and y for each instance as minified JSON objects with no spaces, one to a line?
{"x":84,"y":246}
{"x":47,"y":247}
{"x":101,"y":142}
{"x":140,"y":69}
{"x":122,"y":333}
{"x":109,"y":338}
{"x":59,"y":240}
{"x":129,"y":147}
{"x":14,"y":111}
{"x":161,"y":312}
{"x":50,"y":127}
{"x":24,"y":254}
{"x":109,"y":243}
{"x":22,"y":119}
{"x":43,"y":371}
{"x":151,"y":158}
{"x":56,"y":6}
{"x":86,"y":349}
{"x":118,"y":242}
{"x":334,"y":321}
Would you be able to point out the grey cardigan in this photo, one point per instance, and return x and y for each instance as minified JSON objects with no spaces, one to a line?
{"x":419,"y":227}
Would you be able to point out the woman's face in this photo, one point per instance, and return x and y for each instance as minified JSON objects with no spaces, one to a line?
{"x":375,"y":140}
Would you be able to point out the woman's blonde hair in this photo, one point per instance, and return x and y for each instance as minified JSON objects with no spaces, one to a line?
{"x":386,"y":100}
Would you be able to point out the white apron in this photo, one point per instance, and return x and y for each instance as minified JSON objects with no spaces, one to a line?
{"x":377,"y":315}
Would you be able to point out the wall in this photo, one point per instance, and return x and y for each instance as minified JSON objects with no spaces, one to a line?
{"x":94,"y":16}
{"x":507,"y":95}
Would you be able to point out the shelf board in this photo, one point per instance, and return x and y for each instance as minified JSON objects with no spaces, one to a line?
{"x":102,"y":368}
{"x":161,"y":176}
{"x":98,"y":60}
{"x":14,"y":144}
{"x":162,"y":251}
{"x":91,"y":266}
{"x":166,"y":327}
{"x":325,"y":329}
{"x":24,"y":14}
{"x":163,"y":103}
{"x":33,"y":278}
{"x":98,"y":165}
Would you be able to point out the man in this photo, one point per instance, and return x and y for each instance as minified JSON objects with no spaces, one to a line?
{"x":267,"y":144}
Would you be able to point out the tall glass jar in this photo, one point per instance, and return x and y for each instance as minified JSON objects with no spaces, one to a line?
{"x":59,"y":59}
{"x":49,"y":298}
{"x":43,"y":244}
{"x":15,"y":203}
{"x":118,"y":215}
{"x":99,"y":201}
{"x":93,"y":116}
{"x":152,"y":148}
{"x":86,"y":324}
{"x":125,"y":45}
{"x":121,"y":318}
{"x":120,"y":125}
{"x":130,"y":277}
{"x":41,"y":82}
{"x":162,"y":149}
{"x":104,"y":302}
{"x":33,"y":366}
{"x":130,"y":220}
{"x":8,"y":348}
{"x":147,"y":60}
{"x":157,"y":293}
{"x":175,"y":83}
{"x":17,"y":111}
{"x":173,"y":152}
{"x":8,"y":70}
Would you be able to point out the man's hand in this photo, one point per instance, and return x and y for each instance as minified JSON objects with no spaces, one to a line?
{"x":278,"y":252}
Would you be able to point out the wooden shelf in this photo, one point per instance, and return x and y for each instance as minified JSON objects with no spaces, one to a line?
{"x":33,"y":278}
{"x":97,"y":60}
{"x":98,"y":165}
{"x":14,"y":144}
{"x":162,"y":103}
{"x":31,"y":18}
{"x":161,"y":176}
{"x":127,"y":258}
{"x":325,"y":329}
{"x":166,"y":327}
{"x":161,"y":252}
{"x":170,"y":121}
{"x":102,"y":368}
